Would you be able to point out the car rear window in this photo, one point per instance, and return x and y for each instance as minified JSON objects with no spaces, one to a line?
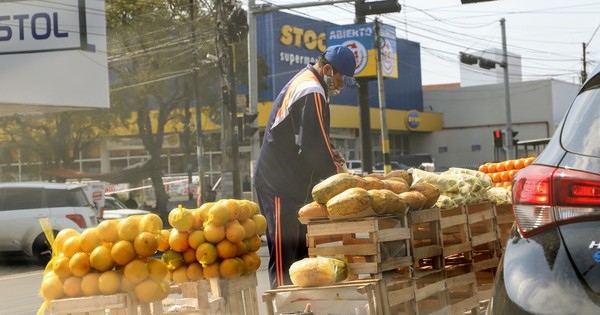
{"x":21,"y":198}
{"x":582,"y":124}
{"x":66,"y":198}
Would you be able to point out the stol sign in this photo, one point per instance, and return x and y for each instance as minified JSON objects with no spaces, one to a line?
{"x":53,"y":56}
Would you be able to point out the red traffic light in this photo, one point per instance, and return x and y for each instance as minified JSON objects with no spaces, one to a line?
{"x":497,"y":134}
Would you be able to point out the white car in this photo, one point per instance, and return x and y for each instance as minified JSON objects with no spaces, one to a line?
{"x":23,"y":204}
{"x":115,"y":209}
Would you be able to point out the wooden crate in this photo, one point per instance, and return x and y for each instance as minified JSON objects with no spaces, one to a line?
{"x":505,"y":218}
{"x":370,"y":245}
{"x":222,"y":296}
{"x":455,"y":240}
{"x":487,"y":248}
{"x":115,"y":304}
{"x":345,"y":298}
{"x":217,"y":296}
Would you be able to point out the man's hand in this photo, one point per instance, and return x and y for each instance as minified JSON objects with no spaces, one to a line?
{"x":340,"y":162}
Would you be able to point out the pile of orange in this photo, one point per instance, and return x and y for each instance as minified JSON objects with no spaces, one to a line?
{"x":113,"y":257}
{"x":219,"y":239}
{"x":502,"y":173}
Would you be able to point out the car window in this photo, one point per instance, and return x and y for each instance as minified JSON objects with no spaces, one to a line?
{"x":111,"y":204}
{"x":66,"y":198}
{"x":21,"y":198}
{"x":582,"y":123}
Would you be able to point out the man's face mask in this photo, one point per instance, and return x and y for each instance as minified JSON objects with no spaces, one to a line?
{"x":329,"y":80}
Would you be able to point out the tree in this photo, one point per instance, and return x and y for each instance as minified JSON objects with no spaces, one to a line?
{"x":150,"y":61}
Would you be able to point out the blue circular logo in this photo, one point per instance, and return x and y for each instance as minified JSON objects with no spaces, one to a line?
{"x":597,"y":256}
{"x":413,"y":119}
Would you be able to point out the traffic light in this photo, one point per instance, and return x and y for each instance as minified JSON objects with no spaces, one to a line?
{"x":498,"y":138}
{"x":487,"y":64}
{"x":514,"y":134}
{"x":248,"y":129}
{"x":376,"y":7}
{"x":237,"y":24}
{"x":467,"y":58}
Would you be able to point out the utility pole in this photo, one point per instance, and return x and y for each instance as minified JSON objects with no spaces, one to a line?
{"x":197,"y":105}
{"x":510,"y":152}
{"x":363,"y":105}
{"x":584,"y":71}
{"x":229,"y":141}
{"x":385,"y":143}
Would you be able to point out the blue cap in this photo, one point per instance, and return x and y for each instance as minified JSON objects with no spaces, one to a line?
{"x":343,"y":61}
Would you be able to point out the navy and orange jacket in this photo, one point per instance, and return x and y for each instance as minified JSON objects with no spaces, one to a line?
{"x":296,"y":153}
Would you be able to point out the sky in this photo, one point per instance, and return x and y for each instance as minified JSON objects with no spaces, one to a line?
{"x":549,"y":35}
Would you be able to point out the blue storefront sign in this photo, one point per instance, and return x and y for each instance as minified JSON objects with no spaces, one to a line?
{"x":360,"y":38}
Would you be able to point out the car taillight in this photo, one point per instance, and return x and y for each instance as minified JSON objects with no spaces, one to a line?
{"x":544,"y":197}
{"x":78,"y":219}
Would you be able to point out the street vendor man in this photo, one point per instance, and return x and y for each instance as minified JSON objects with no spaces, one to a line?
{"x":296,"y":154}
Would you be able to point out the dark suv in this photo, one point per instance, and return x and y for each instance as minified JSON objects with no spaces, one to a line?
{"x":551,"y":264}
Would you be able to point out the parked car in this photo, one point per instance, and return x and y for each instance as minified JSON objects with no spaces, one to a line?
{"x":395,"y":166}
{"x":551,"y":264}
{"x":354,"y":166}
{"x":22,"y":205}
{"x":115,"y":209}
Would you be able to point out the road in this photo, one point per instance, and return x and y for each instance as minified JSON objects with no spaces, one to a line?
{"x":20,"y":279}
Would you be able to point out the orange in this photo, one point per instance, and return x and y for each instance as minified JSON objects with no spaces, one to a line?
{"x":245,"y":210}
{"x":519,"y":164}
{"x":231,"y":268}
{"x":203,"y":210}
{"x":504,"y":176}
{"x":180,"y":275}
{"x":148,"y":291}
{"x":107,"y":230}
{"x":109,"y":282}
{"x":72,"y":245}
{"x":157,"y":269}
{"x":212,"y":271}
{"x":500,"y":167}
{"x":509,"y":165}
{"x":214,"y":233}
{"x":52,"y":287}
{"x":511,"y":174}
{"x":101,"y":259}
{"x":206,"y":254}
{"x":61,"y":237}
{"x":233,"y":207}
{"x":128,"y":228}
{"x":496,"y":177}
{"x":122,"y":252}
{"x":483,"y":168}
{"x":172,"y":259}
{"x":261,"y":223}
{"x":136,"y":271}
{"x":80,"y":264}
{"x":189,"y":256}
{"x":178,"y":240}
{"x":151,"y":222}
{"x":90,"y":239}
{"x":226,"y":249}
{"x":61,"y":267}
{"x":145,"y":244}
{"x":181,"y":219}
{"x":254,"y":242}
{"x":528,"y":161}
{"x":195,"y":271}
{"x":252,"y":262}
{"x":72,"y":286}
{"x":249,"y":227}
{"x":198,"y":221}
{"x":163,"y":240}
{"x":89,"y":284}
{"x":242,"y":247}
{"x":218,"y":214}
{"x":491,"y":167}
{"x":235,"y":232}
{"x":127,"y":285}
{"x":196,"y":238}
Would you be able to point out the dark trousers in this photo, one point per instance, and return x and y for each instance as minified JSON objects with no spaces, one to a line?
{"x":286,"y":236}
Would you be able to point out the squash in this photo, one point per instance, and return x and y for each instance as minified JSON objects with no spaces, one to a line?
{"x":350,"y":201}
{"x":313,"y":210}
{"x":430,"y":192}
{"x":334,"y":185}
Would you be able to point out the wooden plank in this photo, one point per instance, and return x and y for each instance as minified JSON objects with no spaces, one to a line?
{"x":394,"y":234}
{"x":465,"y":305}
{"x":484,"y":238}
{"x":481,"y":216}
{"x":422,"y":216}
{"x":486,"y":264}
{"x":89,"y":304}
{"x":453,"y":220}
{"x":360,"y":249}
{"x":461,"y":280}
{"x":429,"y":290}
{"x":474,"y":207}
{"x":427,"y":251}
{"x":456,"y":249}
